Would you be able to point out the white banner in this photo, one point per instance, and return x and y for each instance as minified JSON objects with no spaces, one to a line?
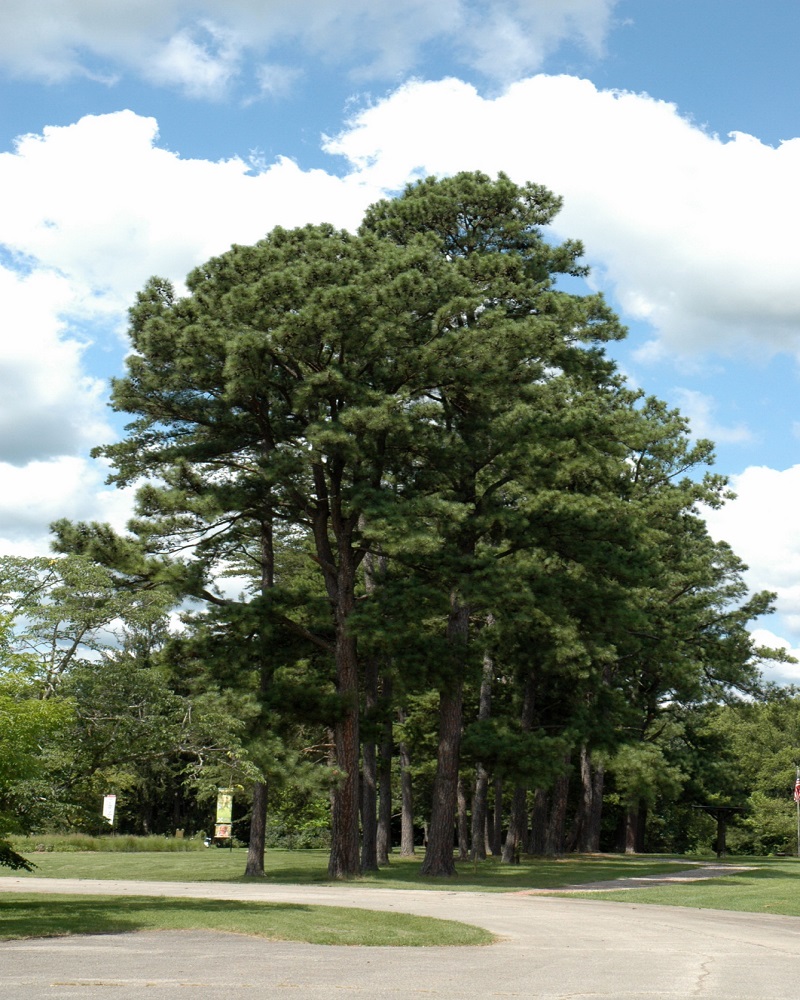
{"x":109,"y":805}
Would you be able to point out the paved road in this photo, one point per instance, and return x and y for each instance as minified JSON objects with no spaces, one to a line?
{"x":550,"y":948}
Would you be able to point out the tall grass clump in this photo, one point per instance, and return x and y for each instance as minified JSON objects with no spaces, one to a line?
{"x":81,"y":842}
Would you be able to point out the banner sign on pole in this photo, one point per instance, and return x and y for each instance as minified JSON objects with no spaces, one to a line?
{"x":109,"y":806}
{"x":224,"y":805}
{"x":222,"y":828}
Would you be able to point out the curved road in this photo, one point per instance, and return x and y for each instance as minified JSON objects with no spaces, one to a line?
{"x":552,"y":948}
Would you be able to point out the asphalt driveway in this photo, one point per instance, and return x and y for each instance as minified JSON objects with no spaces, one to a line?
{"x":550,"y":947}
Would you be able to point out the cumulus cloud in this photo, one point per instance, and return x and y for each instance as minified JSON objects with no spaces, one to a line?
{"x":199,"y":45}
{"x":693,"y":232}
{"x":763,"y":528}
{"x":87,"y":213}
{"x":700,"y":409}
{"x":48,"y":406}
{"x":92,"y":209}
{"x":276,"y":80}
{"x":35,"y":495}
{"x":779,"y":673}
{"x":100,"y":203}
{"x":201,"y":62}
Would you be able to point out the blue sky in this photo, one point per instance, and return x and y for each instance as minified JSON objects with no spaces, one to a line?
{"x":143,"y":136}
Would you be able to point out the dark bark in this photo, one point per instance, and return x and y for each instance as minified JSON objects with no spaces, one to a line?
{"x":480,"y":813}
{"x":496,"y":832}
{"x":339,"y":572}
{"x":344,"y":857}
{"x":480,"y":800}
{"x":258,"y":829}
{"x":580,"y":830}
{"x":463,"y":824}
{"x":374,"y":848}
{"x":369,"y":774}
{"x":517,"y":826}
{"x":592,"y":845}
{"x":631,"y":823}
{"x":439,"y":854}
{"x":537,"y":843}
{"x":635,"y":823}
{"x":518,"y":821}
{"x":406,"y":803}
{"x":369,"y":802}
{"x":256,"y":845}
{"x":384,"y":839}
{"x":556,"y":840}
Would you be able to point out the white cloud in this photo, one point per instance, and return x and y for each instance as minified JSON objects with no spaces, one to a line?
{"x":695,"y":234}
{"x":779,"y":673}
{"x":199,"y":44}
{"x":99,"y":202}
{"x":276,"y":80}
{"x":88,"y":213}
{"x":96,"y":207}
{"x":699,"y":408}
{"x":48,"y":406}
{"x":35,"y":495}
{"x":506,"y":41}
{"x":763,"y":528}
{"x":202,"y":62}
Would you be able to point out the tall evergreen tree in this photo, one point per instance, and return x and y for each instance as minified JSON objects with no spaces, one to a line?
{"x":524,"y":393}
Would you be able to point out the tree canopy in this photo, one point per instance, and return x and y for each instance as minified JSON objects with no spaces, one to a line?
{"x":378,"y":462}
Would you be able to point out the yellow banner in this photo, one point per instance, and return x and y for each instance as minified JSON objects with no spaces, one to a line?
{"x":224,"y":805}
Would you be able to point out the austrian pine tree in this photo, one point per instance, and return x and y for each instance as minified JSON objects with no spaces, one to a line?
{"x":283,"y":387}
{"x":522,"y":395}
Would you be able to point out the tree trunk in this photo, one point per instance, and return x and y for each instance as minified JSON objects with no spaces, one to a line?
{"x":518,"y":822}
{"x":344,"y":857}
{"x":583,"y":812}
{"x":537,"y":844}
{"x":258,"y":830}
{"x":480,"y":813}
{"x":631,"y":824}
{"x":258,"y":820}
{"x":558,"y":814}
{"x":369,"y":773}
{"x":497,"y":819}
{"x":374,"y":845}
{"x":463,"y":825}
{"x":439,"y":855}
{"x":384,"y":843}
{"x":517,"y":826}
{"x":369,"y":803}
{"x":480,"y":798}
{"x":596,"y":815}
{"x":406,"y":803}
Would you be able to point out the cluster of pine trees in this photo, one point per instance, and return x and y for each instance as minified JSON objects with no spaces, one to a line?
{"x":424,"y":537}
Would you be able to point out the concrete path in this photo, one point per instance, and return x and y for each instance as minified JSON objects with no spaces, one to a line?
{"x":550,"y":948}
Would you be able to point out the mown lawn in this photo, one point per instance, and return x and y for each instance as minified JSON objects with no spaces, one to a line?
{"x":773,"y":887}
{"x":26,"y":915}
{"x":310,"y":867}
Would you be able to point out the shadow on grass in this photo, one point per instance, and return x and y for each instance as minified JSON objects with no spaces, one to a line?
{"x":54,"y":917}
{"x":531,"y":873}
{"x":27,"y":916}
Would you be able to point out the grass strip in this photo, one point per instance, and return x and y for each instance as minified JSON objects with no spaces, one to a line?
{"x":772,"y":888}
{"x":311,"y":867}
{"x":27,"y":915}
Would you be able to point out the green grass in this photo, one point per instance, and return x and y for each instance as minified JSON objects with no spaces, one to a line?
{"x":310,"y":867}
{"x":774,"y":887}
{"x":25,"y":915}
{"x":79,"y":842}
